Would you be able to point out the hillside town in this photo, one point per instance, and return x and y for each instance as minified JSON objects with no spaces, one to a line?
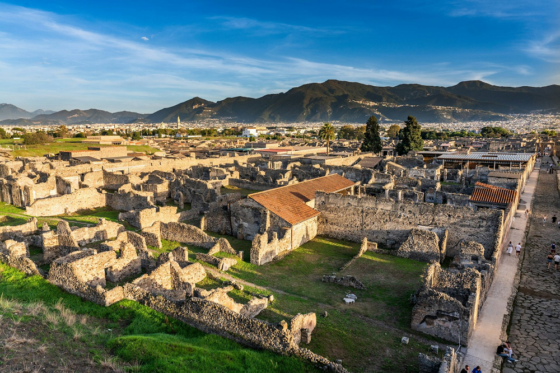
{"x":205,"y":230}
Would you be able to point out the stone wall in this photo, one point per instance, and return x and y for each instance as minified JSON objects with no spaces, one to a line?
{"x":187,"y":234}
{"x":16,"y":254}
{"x":130,"y":200}
{"x":447,"y":304}
{"x":253,"y":185}
{"x":263,"y":251}
{"x":104,"y":230}
{"x":387,"y":222}
{"x":26,"y":229}
{"x":83,"y":273}
{"x":165,"y":214}
{"x":82,"y":199}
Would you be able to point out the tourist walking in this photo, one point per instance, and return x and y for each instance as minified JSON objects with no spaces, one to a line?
{"x":556,"y":261}
{"x":477,"y":370}
{"x":554,"y":218}
{"x":509,"y":248}
{"x":527,"y":214}
{"x":465,"y":369}
{"x":518,"y":249}
{"x":553,"y":248}
{"x":549,"y":259}
{"x":544,"y":219}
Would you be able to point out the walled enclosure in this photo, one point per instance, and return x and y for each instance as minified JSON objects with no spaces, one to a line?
{"x":389,"y":223}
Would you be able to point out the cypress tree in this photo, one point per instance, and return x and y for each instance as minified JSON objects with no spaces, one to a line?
{"x":372,"y":141}
{"x":411,"y":138}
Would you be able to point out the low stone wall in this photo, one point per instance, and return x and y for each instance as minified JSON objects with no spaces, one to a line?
{"x":83,"y":273}
{"x":10,"y":232}
{"x":82,"y":199}
{"x":104,"y":230}
{"x":187,"y":234}
{"x":16,"y":254}
{"x":147,"y":217}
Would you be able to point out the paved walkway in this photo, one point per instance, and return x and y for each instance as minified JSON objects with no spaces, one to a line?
{"x":535,"y":325}
{"x":486,"y":336}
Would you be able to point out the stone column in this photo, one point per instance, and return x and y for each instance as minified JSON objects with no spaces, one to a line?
{"x":387,"y":193}
{"x":399,"y":195}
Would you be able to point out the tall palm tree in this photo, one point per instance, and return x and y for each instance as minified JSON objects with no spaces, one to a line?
{"x":327,"y":132}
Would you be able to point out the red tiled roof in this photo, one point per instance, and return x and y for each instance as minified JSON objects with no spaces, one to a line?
{"x":289,"y":202}
{"x":485,"y":186}
{"x":493,"y":195}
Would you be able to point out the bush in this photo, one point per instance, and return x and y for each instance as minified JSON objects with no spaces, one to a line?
{"x":37,"y":138}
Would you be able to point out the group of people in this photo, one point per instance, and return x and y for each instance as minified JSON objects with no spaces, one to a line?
{"x":553,"y":256}
{"x":504,"y":350}
{"x":509,"y":249}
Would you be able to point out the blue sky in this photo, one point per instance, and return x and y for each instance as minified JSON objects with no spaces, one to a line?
{"x":143,"y":56}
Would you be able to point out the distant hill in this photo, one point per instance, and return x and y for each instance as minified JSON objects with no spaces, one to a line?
{"x":354,"y":102}
{"x":335,"y":100}
{"x":9,"y":111}
{"x":88,"y":116}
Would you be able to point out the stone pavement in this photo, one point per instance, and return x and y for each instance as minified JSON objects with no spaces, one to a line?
{"x":486,"y":336}
{"x":535,"y":325}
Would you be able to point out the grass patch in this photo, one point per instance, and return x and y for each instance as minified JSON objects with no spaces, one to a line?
{"x":366,"y":335}
{"x":137,"y":333}
{"x":66,"y":145}
{"x":232,"y":189}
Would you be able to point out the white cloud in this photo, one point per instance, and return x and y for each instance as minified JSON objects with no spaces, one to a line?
{"x":546,"y":48}
{"x":92,"y":68}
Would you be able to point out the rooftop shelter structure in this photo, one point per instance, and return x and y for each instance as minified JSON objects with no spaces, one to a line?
{"x":491,"y":160}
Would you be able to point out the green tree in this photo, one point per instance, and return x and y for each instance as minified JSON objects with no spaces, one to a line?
{"x":80,"y":135}
{"x":252,"y":138}
{"x":3,"y":134}
{"x":347,"y":132}
{"x":372,"y":140}
{"x":62,"y":131}
{"x":327,"y":132}
{"x":393,"y":131}
{"x":411,"y":137}
{"x":37,"y":138}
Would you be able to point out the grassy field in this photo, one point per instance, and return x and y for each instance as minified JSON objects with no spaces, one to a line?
{"x":232,"y":189}
{"x":60,"y":145}
{"x":43,"y":325}
{"x":366,"y":335}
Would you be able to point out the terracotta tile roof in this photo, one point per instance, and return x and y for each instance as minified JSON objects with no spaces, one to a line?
{"x":289,"y":202}
{"x":493,"y":195}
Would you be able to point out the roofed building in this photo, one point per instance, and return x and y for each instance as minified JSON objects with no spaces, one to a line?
{"x":287,"y":212}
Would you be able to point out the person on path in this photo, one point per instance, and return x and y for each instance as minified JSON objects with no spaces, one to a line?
{"x":505,"y":350}
{"x":465,"y":369}
{"x":477,"y":370}
{"x":518,"y":249}
{"x":556,"y":261}
{"x":549,"y":259}
{"x":527,"y":214}
{"x":509,"y":248}
{"x":544,"y":220}
{"x":553,"y":248}
{"x":554,"y":218}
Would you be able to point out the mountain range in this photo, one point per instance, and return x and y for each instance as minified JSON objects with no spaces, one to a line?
{"x":349,"y":102}
{"x":9,"y":111}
